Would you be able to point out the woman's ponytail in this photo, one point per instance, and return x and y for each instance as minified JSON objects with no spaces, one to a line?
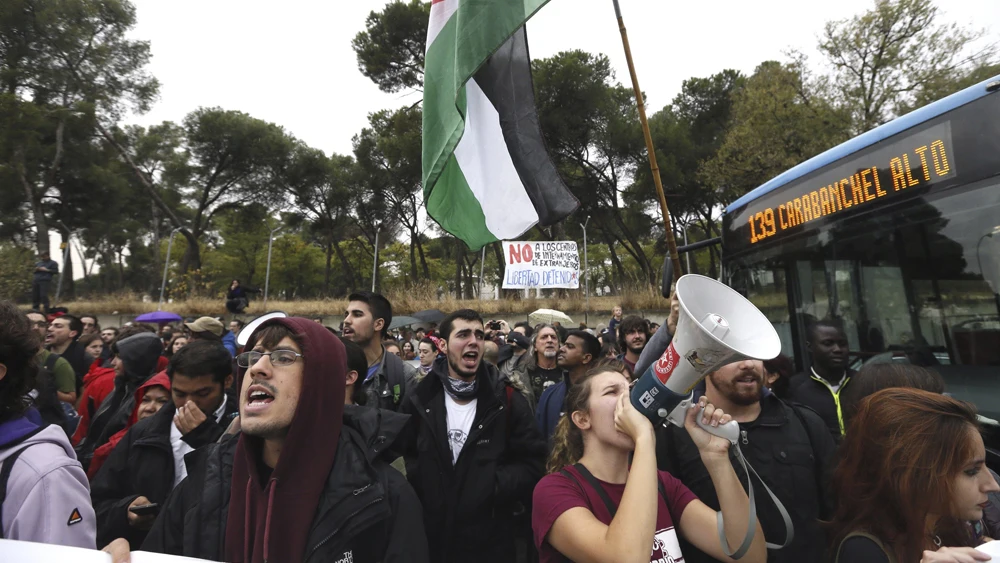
{"x":567,"y":445}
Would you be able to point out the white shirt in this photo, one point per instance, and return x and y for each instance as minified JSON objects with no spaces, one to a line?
{"x":459,"y":423}
{"x":181,"y":448}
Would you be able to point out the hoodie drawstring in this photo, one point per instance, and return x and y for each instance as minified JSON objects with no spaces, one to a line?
{"x":247,"y":548}
{"x":267,"y":517}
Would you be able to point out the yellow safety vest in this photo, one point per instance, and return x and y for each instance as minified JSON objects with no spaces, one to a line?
{"x":836,"y":394}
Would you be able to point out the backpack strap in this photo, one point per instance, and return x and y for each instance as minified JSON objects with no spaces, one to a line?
{"x":5,"y":470}
{"x":50,"y":362}
{"x":889,"y":554}
{"x":596,"y":485}
{"x":509,"y":393}
{"x":394,"y":377}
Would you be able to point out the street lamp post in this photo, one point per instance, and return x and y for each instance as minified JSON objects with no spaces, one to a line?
{"x":267,"y":274}
{"x":586,"y":272}
{"x":166,"y":264}
{"x":375,"y":261}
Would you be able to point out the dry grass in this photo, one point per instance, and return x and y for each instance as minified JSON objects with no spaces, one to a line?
{"x":402,"y":303}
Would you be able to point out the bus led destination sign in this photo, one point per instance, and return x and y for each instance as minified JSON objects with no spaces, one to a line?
{"x":917,"y":160}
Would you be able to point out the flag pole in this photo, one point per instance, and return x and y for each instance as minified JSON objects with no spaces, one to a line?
{"x":671,"y":242}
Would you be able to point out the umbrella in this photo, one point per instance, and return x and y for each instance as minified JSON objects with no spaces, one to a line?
{"x":429,"y":315}
{"x":403,"y":321}
{"x":161,"y":317}
{"x":550,"y":316}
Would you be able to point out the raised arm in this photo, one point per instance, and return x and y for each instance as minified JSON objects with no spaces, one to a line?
{"x":581,"y":537}
{"x":698,"y":522}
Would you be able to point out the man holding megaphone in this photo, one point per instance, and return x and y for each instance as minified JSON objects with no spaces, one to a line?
{"x":788,"y":444}
{"x":716,"y":329}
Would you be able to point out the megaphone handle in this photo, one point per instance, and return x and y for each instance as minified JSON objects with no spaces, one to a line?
{"x":728,"y":431}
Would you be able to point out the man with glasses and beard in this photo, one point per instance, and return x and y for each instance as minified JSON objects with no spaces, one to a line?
{"x":788,"y":445}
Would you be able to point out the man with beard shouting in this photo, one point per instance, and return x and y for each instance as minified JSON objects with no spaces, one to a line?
{"x":474,"y":454}
{"x":788,"y":445}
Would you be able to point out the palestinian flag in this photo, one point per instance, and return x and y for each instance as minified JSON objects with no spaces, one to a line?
{"x":486,"y":173}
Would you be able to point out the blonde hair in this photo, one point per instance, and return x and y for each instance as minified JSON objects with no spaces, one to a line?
{"x":567,"y":439}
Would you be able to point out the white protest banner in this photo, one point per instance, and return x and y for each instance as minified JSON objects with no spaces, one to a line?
{"x":13,"y":550}
{"x":541,"y":264}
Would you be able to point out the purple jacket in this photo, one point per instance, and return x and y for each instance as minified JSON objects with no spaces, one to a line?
{"x":48,"y":497}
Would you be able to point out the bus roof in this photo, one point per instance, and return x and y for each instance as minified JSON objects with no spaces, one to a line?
{"x":866,"y":140}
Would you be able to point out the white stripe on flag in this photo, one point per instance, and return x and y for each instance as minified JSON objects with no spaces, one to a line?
{"x":441,"y":12}
{"x":485,"y":161}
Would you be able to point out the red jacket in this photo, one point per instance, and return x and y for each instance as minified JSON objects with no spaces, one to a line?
{"x":101,"y":454}
{"x":97,"y":385}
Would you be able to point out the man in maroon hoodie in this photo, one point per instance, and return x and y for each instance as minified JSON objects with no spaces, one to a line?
{"x":306,"y":479}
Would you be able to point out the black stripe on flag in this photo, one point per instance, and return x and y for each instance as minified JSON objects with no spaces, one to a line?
{"x":505,"y":79}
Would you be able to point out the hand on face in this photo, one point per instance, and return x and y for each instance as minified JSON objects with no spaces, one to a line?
{"x":629,"y":421}
{"x":188,"y":417}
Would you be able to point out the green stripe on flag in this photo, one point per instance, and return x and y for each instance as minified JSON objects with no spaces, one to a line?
{"x":465,"y":217}
{"x":468,"y":38}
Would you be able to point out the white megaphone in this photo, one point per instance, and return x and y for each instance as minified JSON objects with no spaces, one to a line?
{"x":716,"y":326}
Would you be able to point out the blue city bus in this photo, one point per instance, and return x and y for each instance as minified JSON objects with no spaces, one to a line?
{"x":896,"y":233}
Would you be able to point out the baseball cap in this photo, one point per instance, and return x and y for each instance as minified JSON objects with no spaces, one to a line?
{"x":205,"y":324}
{"x":519,"y":340}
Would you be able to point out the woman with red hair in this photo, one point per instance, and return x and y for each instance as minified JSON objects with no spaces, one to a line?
{"x":912,"y":473}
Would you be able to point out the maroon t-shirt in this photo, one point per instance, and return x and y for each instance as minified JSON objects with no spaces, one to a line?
{"x":557,"y":493}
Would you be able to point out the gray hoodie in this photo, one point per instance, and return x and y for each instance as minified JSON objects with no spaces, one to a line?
{"x":48,"y":497}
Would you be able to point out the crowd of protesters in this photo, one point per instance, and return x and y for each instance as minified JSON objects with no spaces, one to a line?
{"x":470,"y":440}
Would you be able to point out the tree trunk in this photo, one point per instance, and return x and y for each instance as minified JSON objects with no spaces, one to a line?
{"x":423,"y":259}
{"x":154,"y":287}
{"x":348,"y":270}
{"x":413,"y":256}
{"x":328,"y":247}
{"x":617,"y":263}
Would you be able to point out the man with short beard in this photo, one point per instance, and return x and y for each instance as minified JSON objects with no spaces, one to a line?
{"x":473,"y":454}
{"x":366,"y":323}
{"x":788,"y":445}
{"x":633,"y":333}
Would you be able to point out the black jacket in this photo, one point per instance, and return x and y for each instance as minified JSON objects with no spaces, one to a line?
{"x":368,"y":512}
{"x":805,"y":390}
{"x":471,"y":506}
{"x":793,"y":459}
{"x":142,"y":464}
{"x":139,"y":354}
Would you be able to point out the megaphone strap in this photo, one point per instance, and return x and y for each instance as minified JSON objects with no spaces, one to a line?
{"x":752,"y":516}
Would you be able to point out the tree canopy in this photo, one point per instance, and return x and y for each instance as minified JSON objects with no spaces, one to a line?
{"x":221,"y":182}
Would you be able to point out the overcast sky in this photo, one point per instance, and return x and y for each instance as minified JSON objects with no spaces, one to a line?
{"x":291,"y":62}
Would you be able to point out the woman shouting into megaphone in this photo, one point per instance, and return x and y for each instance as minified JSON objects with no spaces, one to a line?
{"x":596,"y":507}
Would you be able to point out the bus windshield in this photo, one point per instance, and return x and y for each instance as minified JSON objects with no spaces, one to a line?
{"x":898,"y":240}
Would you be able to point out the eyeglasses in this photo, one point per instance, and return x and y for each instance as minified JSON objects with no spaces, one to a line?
{"x":279,"y":358}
